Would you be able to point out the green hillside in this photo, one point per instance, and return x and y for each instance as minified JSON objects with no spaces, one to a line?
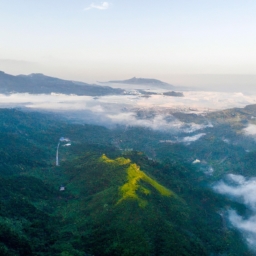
{"x":113,"y":203}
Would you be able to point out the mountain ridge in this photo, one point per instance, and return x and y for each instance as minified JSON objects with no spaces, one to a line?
{"x":37,"y":83}
{"x":142,"y":81}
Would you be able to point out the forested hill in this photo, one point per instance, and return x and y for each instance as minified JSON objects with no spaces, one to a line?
{"x":39,"y":83}
{"x":101,"y":200}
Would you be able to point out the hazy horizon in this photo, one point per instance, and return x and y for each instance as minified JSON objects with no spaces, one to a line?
{"x":205,"y":82}
{"x":89,"y":41}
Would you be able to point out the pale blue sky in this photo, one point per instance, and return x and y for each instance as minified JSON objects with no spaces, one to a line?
{"x":94,"y":40}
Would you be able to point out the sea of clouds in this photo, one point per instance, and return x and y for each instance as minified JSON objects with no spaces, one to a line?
{"x":122,"y":109}
{"x":196,"y":100}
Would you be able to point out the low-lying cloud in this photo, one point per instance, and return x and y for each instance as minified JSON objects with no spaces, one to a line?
{"x":193,"y":138}
{"x":242,"y":190}
{"x":124,"y":109}
{"x":250,"y":130}
{"x":158,"y":122}
{"x":201,"y":101}
{"x":108,"y":111}
{"x":246,"y":226}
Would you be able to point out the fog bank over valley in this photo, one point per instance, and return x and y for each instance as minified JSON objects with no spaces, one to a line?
{"x":153,"y":111}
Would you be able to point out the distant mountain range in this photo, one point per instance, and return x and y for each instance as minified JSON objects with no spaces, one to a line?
{"x":39,"y":83}
{"x":142,"y":81}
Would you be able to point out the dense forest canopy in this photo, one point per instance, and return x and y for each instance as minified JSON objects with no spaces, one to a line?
{"x":150,"y":200}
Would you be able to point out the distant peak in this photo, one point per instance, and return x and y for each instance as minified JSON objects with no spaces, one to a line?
{"x":142,"y":81}
{"x":36,"y":74}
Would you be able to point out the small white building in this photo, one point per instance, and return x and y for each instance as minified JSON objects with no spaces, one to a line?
{"x":62,"y":188}
{"x":196,"y":161}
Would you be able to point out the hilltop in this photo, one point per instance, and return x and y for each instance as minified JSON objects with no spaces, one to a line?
{"x":142,"y":81}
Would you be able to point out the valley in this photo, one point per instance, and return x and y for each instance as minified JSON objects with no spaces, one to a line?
{"x":125,"y":192}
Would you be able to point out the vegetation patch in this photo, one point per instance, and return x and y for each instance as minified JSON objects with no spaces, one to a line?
{"x":132,"y":188}
{"x":118,"y":161}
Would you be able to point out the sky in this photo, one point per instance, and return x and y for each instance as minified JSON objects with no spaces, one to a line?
{"x":170,"y":40}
